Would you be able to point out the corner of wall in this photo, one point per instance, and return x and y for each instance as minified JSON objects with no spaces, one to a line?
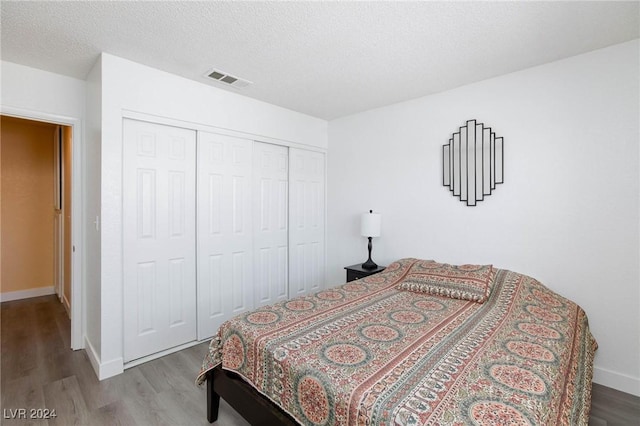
{"x":91,"y":210}
{"x":102,"y":370}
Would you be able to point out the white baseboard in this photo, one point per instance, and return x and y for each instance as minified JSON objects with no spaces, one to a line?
{"x":102,"y":370}
{"x":67,"y":305}
{"x":616,"y":380}
{"x":94,"y":359}
{"x":111,"y":368}
{"x":26,"y":294}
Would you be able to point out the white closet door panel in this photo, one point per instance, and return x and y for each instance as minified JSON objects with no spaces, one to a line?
{"x":270,"y":237}
{"x":159,"y":237}
{"x":306,"y":233}
{"x":224,"y":243}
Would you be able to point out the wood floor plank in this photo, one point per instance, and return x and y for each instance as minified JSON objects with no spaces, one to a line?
{"x":611,"y":407}
{"x":165,"y":376}
{"x":184,"y":367}
{"x":59,"y":365}
{"x":113,"y":414}
{"x":196,"y":354}
{"x":184,"y":409}
{"x":149,"y":412}
{"x":66,"y":398}
{"x":140,"y":398}
{"x":97,"y":394}
{"x":20,"y":353}
{"x":23,"y":393}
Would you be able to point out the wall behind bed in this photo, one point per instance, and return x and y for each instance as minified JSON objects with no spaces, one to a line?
{"x":567,"y":214}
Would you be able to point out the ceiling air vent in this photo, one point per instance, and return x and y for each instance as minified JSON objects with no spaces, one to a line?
{"x":228,"y":79}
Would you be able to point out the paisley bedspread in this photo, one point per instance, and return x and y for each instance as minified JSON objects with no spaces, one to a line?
{"x":367,"y":353}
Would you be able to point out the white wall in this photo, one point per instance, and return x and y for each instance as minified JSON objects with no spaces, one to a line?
{"x":41,"y":92}
{"x":567,"y":214}
{"x":92,"y":161}
{"x":45,"y":96}
{"x":129,"y":89}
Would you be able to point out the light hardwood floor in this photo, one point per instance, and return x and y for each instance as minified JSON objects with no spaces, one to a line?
{"x":38,"y":370}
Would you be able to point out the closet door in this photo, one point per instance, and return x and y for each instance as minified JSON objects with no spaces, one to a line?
{"x":224,"y":230}
{"x":306,"y":221}
{"x":270,"y":239}
{"x":159,"y":237}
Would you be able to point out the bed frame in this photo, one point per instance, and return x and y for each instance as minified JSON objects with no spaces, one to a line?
{"x":248,"y":402}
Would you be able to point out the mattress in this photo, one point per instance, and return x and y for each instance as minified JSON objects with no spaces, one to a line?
{"x":369,"y":352}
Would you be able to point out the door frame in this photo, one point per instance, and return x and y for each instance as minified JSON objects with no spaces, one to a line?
{"x":58,"y":222}
{"x":77,"y":256}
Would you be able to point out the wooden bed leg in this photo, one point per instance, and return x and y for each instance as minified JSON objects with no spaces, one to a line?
{"x":213,"y":399}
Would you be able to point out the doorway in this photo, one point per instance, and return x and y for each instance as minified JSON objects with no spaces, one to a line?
{"x":63,"y":154}
{"x":37,"y":221}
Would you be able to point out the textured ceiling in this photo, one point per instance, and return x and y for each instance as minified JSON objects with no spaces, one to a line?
{"x":325,"y":59}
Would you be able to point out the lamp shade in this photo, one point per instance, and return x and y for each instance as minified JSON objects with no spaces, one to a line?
{"x":370,"y":224}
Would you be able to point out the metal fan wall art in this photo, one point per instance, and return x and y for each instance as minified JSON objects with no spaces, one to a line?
{"x":473,"y":162}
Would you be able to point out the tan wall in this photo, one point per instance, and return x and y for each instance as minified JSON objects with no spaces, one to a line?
{"x":26,"y":215}
{"x":66,"y":192}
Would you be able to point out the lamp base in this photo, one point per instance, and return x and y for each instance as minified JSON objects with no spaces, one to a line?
{"x":369,"y":264}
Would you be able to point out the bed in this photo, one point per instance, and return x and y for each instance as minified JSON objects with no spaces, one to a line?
{"x":420,"y":343}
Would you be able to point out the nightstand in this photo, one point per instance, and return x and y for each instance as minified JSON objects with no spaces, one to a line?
{"x":355,"y":272}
